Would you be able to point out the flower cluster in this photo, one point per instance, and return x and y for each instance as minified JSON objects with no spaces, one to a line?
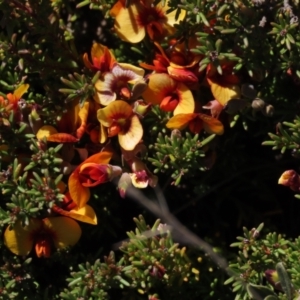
{"x":107,"y":125}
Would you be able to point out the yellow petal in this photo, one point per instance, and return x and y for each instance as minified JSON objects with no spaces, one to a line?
{"x":45,"y":131}
{"x":85,"y":214}
{"x":133,"y":136}
{"x":126,"y":24}
{"x":102,"y":134}
{"x":224,"y":93}
{"x":159,"y":86}
{"x":86,"y":61}
{"x":22,"y":89}
{"x":67,"y":232}
{"x":180,"y":121}
{"x":171,"y":20}
{"x":186,"y":100}
{"x":136,"y":70}
{"x":19,"y":239}
{"x":110,"y":113}
{"x":97,"y":50}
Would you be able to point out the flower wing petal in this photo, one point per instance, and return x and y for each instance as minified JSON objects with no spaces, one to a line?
{"x":180,"y":121}
{"x":211,"y":125}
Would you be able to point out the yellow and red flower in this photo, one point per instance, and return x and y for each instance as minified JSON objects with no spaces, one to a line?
{"x":102,"y":58}
{"x":178,"y":62}
{"x":141,"y":176}
{"x":141,"y":17}
{"x":116,"y":83}
{"x":121,"y":120}
{"x":169,"y":94}
{"x":93,"y":171}
{"x":291,"y":179}
{"x":58,"y":232}
{"x":196,"y":123}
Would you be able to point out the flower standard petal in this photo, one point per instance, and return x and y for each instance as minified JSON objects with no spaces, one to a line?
{"x":132,"y":136}
{"x":126,"y":24}
{"x":186,"y":102}
{"x":67,"y":232}
{"x":113,"y":112}
{"x":159,"y":86}
{"x":180,"y":121}
{"x":19,"y":239}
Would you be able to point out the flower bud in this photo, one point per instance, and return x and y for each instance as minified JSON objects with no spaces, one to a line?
{"x":291,"y":179}
{"x":273,"y":278}
{"x":258,"y":104}
{"x":141,"y":108}
{"x":248,"y":91}
{"x":268,"y":110}
{"x":123,"y":184}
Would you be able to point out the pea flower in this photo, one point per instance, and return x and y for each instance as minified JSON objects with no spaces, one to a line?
{"x":196,"y":123}
{"x":116,"y":83}
{"x":141,"y":17}
{"x":178,"y":62}
{"x":169,"y":94}
{"x":120,"y":119}
{"x":291,"y":179}
{"x":102,"y":58}
{"x":93,"y":171}
{"x":141,"y":176}
{"x":60,"y":232}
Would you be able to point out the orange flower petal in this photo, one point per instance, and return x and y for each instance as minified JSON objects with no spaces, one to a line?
{"x":18,"y":239}
{"x":133,"y":136}
{"x":126,"y":24}
{"x":22,"y":89}
{"x":180,"y":121}
{"x":62,"y":138}
{"x":182,"y":74}
{"x":86,"y":61}
{"x":211,"y":125}
{"x":79,"y":193}
{"x":83,"y":115}
{"x":110,"y":113}
{"x":186,"y":100}
{"x":67,"y":231}
{"x":159,"y":86}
